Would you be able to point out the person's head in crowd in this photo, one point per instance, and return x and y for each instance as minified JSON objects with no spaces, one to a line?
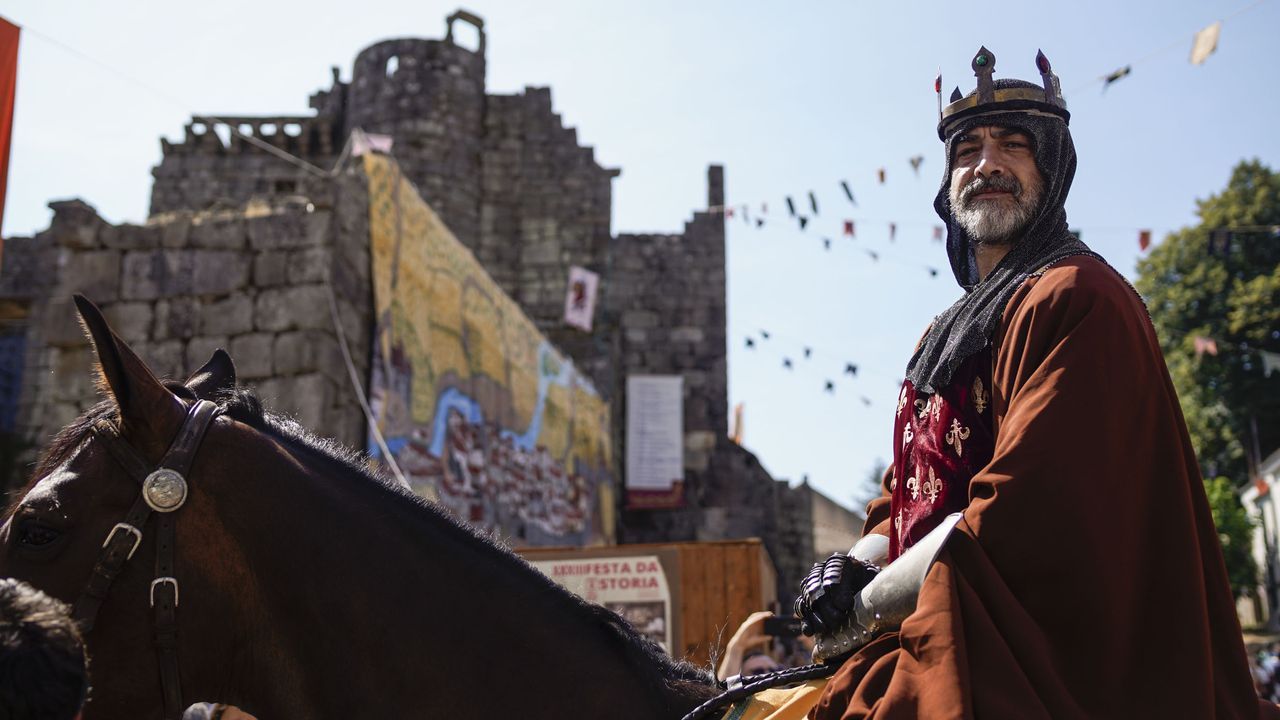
{"x":757,"y":662}
{"x":43,"y":672}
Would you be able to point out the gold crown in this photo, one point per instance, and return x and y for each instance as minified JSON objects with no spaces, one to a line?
{"x":990,"y":99}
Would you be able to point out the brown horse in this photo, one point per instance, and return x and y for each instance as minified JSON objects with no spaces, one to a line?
{"x":309,"y":587}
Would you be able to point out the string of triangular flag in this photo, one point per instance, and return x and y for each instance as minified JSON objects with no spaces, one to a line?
{"x":1205,"y":345}
{"x":1204,"y":42}
{"x":792,"y":353}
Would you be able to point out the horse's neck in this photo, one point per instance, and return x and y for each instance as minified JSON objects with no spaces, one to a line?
{"x":389,"y":617}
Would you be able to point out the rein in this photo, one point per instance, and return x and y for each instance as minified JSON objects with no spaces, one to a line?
{"x":163,"y":491}
{"x":760,"y":683}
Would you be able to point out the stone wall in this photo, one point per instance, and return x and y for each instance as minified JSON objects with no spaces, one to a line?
{"x":252,"y":281}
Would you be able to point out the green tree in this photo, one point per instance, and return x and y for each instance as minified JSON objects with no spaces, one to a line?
{"x":1232,"y":295}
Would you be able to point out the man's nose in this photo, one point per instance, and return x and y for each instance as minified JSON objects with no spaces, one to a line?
{"x":989,"y":163}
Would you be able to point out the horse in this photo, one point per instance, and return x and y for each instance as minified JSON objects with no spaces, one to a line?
{"x":298,"y":582}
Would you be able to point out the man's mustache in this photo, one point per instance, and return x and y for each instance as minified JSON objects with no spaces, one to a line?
{"x":995,"y":183}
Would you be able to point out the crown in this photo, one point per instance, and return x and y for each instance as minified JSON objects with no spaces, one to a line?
{"x":989,"y":99}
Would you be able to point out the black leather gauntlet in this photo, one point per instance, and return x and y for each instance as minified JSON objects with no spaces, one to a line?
{"x":827,"y":593}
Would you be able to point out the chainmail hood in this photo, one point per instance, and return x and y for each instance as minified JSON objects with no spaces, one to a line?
{"x":968,"y":326}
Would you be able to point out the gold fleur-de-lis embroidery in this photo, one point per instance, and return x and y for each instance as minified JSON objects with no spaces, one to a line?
{"x":922,"y":406}
{"x":893,"y":483}
{"x":897,"y":525}
{"x":979,"y":395}
{"x":914,"y":486}
{"x":902,"y":400}
{"x":936,"y":409}
{"x":932,"y":487}
{"x":906,"y":435}
{"x":956,"y":435}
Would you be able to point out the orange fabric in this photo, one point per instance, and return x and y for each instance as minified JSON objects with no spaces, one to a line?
{"x":8,"y":92}
{"x":1086,"y":580}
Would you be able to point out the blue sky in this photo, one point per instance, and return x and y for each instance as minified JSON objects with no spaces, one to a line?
{"x":789,"y":97}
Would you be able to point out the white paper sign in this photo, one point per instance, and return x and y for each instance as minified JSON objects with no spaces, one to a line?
{"x":655,"y":431}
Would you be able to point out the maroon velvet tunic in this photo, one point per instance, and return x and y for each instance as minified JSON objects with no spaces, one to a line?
{"x":940,"y":441}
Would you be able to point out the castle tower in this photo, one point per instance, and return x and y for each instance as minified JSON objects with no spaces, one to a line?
{"x":429,"y":95}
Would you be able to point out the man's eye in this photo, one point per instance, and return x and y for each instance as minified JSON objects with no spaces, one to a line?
{"x":35,"y":535}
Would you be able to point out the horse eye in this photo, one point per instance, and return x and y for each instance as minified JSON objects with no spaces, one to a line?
{"x":35,"y":535}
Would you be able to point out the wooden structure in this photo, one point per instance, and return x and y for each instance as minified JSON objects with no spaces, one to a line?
{"x":713,"y":586}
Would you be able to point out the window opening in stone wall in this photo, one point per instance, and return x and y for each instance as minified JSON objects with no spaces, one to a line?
{"x":198,"y":128}
{"x":223,"y":131}
{"x":267,"y":128}
{"x":245,"y":129}
{"x":466,"y":36}
{"x":393,"y":64}
{"x":286,"y":187}
{"x":292,"y":129}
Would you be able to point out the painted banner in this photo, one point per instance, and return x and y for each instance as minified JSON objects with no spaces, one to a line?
{"x":634,"y":587}
{"x":655,"y":441}
{"x":482,"y":414}
{"x":580,"y":299}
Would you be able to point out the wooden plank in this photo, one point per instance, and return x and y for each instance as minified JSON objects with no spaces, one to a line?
{"x":693,"y":600}
{"x":716,"y":610}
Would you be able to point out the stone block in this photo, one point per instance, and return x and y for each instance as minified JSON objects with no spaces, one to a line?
{"x":130,"y":320}
{"x":130,"y":237}
{"x":72,"y":375}
{"x":176,"y":319}
{"x":175,"y":230}
{"x":59,"y":323}
{"x":304,"y":351}
{"x":218,"y":272}
{"x":166,"y":358}
{"x":687,"y":335}
{"x":290,"y":308}
{"x":270,"y":268}
{"x":200,"y":349}
{"x":75,"y":224}
{"x":231,"y":316}
{"x":306,"y":398}
{"x":293,"y":229}
{"x":92,"y":273}
{"x":252,"y":354}
{"x":308,"y":265}
{"x":222,"y":232}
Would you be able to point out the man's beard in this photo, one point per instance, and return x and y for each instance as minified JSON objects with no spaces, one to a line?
{"x":994,"y":222}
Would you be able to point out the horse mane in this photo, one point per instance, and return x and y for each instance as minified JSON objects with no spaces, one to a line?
{"x":651,"y":663}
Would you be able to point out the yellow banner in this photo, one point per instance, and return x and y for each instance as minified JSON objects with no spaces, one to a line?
{"x":480,"y":411}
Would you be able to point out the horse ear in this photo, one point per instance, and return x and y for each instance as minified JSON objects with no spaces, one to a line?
{"x":144,"y":402}
{"x":216,"y":377}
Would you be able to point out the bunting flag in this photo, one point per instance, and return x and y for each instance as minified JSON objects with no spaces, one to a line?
{"x":751,"y":343}
{"x":826,"y":243}
{"x":1205,"y":345}
{"x":1144,"y":240}
{"x":791,"y":206}
{"x":933,"y":272}
{"x":1116,"y":75}
{"x":1205,"y":42}
{"x":728,"y":212}
{"x":938,"y":231}
{"x":915,"y":164}
{"x":848,"y":192}
{"x":874,"y":255}
{"x":8,"y":86}
{"x":786,"y":363}
{"x":851,"y":369}
{"x":808,"y":352}
{"x":736,"y":434}
{"x":813,"y":202}
{"x":880,"y":175}
{"x":764,"y":334}
{"x":830,"y":387}
{"x":1270,"y":362}
{"x":848,"y":228}
{"x":893,"y":231}
{"x":764,"y":208}
{"x":866,"y":401}
{"x":759,"y":222}
{"x":804,"y":222}
{"x":745,"y":216}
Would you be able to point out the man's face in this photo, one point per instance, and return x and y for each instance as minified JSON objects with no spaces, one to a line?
{"x":995,"y":184}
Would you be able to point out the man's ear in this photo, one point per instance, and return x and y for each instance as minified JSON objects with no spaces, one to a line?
{"x":217,"y":377}
{"x":147,"y":409}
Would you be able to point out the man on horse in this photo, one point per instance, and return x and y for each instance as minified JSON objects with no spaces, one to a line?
{"x":1084,"y":576}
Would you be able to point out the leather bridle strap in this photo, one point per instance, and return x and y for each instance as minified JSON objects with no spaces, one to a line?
{"x":163,"y":491}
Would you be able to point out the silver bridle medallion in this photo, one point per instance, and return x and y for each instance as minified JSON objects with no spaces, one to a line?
{"x":165,"y":490}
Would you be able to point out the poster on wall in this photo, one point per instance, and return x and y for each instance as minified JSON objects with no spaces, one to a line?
{"x":655,"y":441}
{"x":480,"y":411}
{"x":634,"y":587}
{"x":580,"y":298}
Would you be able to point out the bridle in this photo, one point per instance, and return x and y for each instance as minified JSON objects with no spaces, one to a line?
{"x":163,"y":491}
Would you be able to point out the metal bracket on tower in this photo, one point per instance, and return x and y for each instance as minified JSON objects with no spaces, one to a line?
{"x":470,"y":17}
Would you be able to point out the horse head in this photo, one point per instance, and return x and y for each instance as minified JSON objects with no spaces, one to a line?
{"x":54,"y":535}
